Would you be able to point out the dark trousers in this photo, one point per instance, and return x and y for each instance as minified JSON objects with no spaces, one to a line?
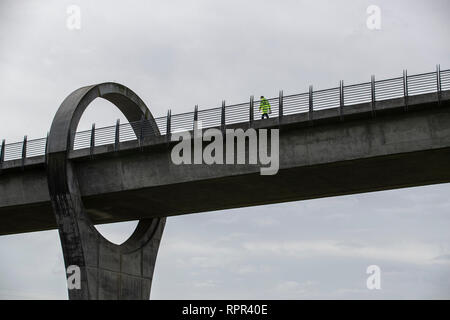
{"x":265,"y":115}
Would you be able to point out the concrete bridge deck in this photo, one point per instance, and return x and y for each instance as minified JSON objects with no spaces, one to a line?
{"x":327,"y":156}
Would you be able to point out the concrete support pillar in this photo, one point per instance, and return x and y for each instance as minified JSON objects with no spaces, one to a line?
{"x":107,"y":271}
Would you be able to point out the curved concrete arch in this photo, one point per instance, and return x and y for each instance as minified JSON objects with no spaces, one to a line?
{"x":107,"y":270}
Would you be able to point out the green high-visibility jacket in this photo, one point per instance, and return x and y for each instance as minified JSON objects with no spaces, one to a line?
{"x":264,"y":106}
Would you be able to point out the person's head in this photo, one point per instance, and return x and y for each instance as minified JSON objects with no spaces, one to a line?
{"x":262,"y":97}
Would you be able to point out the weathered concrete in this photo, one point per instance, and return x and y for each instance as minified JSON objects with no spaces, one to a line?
{"x":107,"y":271}
{"x":326,"y":157}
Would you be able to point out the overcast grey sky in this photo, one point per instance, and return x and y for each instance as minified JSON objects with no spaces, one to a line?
{"x":175,"y":54}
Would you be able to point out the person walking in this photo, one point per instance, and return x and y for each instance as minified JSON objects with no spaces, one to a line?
{"x":265,"y":108}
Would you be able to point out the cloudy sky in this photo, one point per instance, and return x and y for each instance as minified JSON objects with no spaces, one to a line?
{"x":176,"y":54}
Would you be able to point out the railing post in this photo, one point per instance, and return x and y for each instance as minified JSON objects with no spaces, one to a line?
{"x":195,"y":117}
{"x":24,"y":150}
{"x":251,"y":116}
{"x":91,"y":151}
{"x":341,"y":99}
{"x":405,"y":88}
{"x":222,"y":118}
{"x":311,"y":103}
{"x":117,"y":135}
{"x":372,"y":89}
{"x":2,"y":153}
{"x":439,"y":83}
{"x":168,"y":125}
{"x":280,"y":104}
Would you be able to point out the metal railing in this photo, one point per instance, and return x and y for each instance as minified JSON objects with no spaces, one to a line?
{"x":341,"y":96}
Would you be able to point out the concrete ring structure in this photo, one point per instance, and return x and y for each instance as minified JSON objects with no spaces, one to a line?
{"x":107,"y":270}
